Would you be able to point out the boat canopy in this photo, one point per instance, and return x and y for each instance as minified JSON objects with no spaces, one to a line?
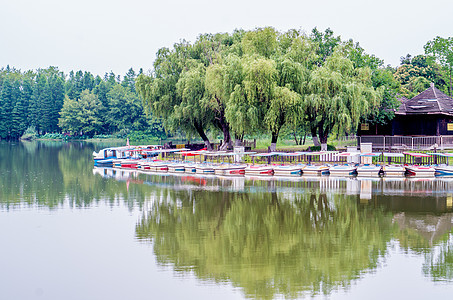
{"x":417,"y":154}
{"x":319,"y":153}
{"x":391,"y":154}
{"x":372,"y":154}
{"x":224,"y":153}
{"x":290,"y":153}
{"x":347,"y":154}
{"x":263,"y":154}
{"x":442,"y":154}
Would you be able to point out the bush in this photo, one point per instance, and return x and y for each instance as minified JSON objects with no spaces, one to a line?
{"x":143,"y":136}
{"x":318,"y":148}
{"x":52,"y":136}
{"x":104,"y":136}
{"x":29,"y":134}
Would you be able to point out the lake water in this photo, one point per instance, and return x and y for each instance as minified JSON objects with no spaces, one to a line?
{"x":70,"y":231}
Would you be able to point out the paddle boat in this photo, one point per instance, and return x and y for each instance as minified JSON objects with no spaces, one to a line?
{"x":343,"y":170}
{"x":316,"y":169}
{"x":155,"y":166}
{"x":419,"y":170}
{"x":176,"y":167}
{"x":442,"y":169}
{"x":265,"y":170}
{"x":107,"y":156}
{"x":393,"y":170}
{"x":204,"y":168}
{"x":369,"y":170}
{"x":230,"y":169}
{"x":190,"y":167}
{"x":288,"y":170}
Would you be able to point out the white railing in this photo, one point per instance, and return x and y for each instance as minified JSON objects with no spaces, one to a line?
{"x":407,"y":142}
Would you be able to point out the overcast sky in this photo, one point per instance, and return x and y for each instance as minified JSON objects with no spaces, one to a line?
{"x":112,"y":35}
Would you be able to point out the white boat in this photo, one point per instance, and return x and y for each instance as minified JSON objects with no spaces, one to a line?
{"x":265,"y":170}
{"x":443,"y":170}
{"x":420,"y":171}
{"x":230,"y":169}
{"x":130,"y":163}
{"x":369,"y":170}
{"x":108,"y":156}
{"x":315,"y":170}
{"x":394,"y":171}
{"x":176,"y":167}
{"x":204,"y":168}
{"x":288,"y":170}
{"x":158,"y":166}
{"x":145,"y":165}
{"x":190,"y":167}
{"x":343,"y":170}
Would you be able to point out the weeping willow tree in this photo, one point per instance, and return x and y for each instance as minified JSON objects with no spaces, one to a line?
{"x":173,"y":91}
{"x":260,"y":81}
{"x":250,"y":100}
{"x":338,"y":95}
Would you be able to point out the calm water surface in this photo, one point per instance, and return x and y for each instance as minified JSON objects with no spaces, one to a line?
{"x":72,"y":231}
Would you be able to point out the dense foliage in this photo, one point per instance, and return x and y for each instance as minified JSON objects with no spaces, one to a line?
{"x":263,"y":81}
{"x":228,"y":86}
{"x":79,"y":104}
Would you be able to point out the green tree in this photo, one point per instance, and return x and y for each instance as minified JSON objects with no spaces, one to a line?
{"x":6,"y":107}
{"x":125,"y":109}
{"x":159,"y":91}
{"x":442,"y":50}
{"x":338,"y":96}
{"x":82,"y":115}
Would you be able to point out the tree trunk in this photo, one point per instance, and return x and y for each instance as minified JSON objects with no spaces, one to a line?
{"x":226,"y":135}
{"x":224,"y":126}
{"x":295,"y":137}
{"x":203,"y":136}
{"x":274,"y":139}
{"x":323,"y":133}
{"x":314,"y":135}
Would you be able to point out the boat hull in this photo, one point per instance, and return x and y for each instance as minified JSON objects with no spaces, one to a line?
{"x":394,"y":171}
{"x":315,"y":170}
{"x":369,"y":171}
{"x":443,"y":170}
{"x":230,"y":171}
{"x":420,"y":171}
{"x":287,"y":171}
{"x":176,"y":168}
{"x":343,"y":170}
{"x":258,"y":170}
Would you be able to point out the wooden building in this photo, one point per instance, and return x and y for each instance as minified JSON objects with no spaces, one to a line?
{"x":430,"y":113}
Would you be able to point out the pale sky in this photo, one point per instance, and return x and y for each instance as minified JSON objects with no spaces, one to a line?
{"x":112,"y":35}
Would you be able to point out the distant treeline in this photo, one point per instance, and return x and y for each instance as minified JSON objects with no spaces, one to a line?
{"x":49,"y":101}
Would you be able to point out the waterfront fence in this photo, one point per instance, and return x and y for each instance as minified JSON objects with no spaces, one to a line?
{"x":399,"y":143}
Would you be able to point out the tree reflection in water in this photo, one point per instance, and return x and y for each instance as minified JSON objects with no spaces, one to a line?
{"x":268,"y":243}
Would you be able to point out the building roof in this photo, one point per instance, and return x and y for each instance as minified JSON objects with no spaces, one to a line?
{"x":430,"y":101}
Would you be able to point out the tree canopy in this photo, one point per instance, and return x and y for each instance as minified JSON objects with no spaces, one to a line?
{"x":259,"y":81}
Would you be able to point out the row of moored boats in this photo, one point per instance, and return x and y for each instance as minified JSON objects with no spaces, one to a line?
{"x":144,"y":158}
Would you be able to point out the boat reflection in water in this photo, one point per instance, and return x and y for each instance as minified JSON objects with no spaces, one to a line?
{"x":293,"y":236}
